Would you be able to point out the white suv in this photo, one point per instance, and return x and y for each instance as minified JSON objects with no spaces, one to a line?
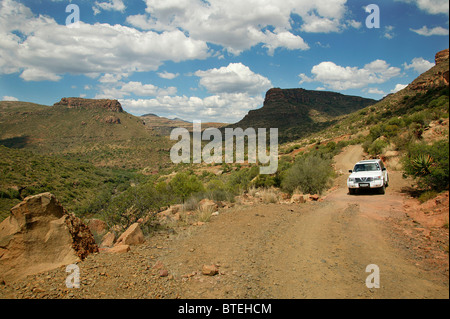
{"x":368,"y":174}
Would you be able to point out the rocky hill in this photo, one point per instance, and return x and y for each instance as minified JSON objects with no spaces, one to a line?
{"x":296,"y":112}
{"x":97,"y":131}
{"x":435,"y":78}
{"x":425,"y":97}
{"x":74,"y":103}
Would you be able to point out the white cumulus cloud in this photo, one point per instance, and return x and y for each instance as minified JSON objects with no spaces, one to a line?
{"x":167,"y":75}
{"x":110,"y":5}
{"x":430,"y":6}
{"x":10,"y":98}
{"x":234,"y":89}
{"x":40,"y":49}
{"x":425,"y":31}
{"x":226,"y":108}
{"x":234,"y":78}
{"x":338,"y":77}
{"x":399,"y":87}
{"x":119,"y":90}
{"x":420,"y":65}
{"x":240,"y":25}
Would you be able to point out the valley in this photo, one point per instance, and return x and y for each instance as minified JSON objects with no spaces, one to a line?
{"x":281,"y":250}
{"x":223,"y":230}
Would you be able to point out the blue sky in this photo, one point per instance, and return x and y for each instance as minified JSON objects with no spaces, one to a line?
{"x":213,"y":60}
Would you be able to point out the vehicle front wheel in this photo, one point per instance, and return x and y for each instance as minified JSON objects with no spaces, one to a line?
{"x":352,"y":191}
{"x":382,"y":190}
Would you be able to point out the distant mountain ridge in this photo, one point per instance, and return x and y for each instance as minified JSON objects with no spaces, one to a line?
{"x":298,"y":111}
{"x":163,"y":125}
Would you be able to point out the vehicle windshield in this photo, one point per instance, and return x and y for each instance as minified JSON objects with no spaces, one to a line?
{"x":367,"y":167}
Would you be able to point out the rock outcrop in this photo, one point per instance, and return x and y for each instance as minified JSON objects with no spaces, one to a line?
{"x":40,"y":235}
{"x":75,"y":102}
{"x":435,"y":78}
{"x":112,"y":120}
{"x":442,"y":56}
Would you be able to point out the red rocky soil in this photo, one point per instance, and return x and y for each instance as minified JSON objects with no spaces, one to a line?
{"x":318,"y":249}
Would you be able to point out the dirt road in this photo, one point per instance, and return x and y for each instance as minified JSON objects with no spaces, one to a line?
{"x":281,"y":251}
{"x":319,"y":250}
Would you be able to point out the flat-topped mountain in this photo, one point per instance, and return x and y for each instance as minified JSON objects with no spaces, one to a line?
{"x":97,"y":131}
{"x":298,"y":111}
{"x":75,"y":103}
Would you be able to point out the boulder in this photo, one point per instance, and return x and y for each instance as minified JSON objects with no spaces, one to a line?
{"x":119,"y":249}
{"x":207,"y":205}
{"x":210,"y":270}
{"x":172,"y":213}
{"x":132,"y":236}
{"x":298,"y":199}
{"x":40,"y":235}
{"x":163,"y":273}
{"x":108,"y":240}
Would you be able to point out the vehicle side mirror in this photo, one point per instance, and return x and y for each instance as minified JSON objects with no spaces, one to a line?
{"x":350,"y":171}
{"x":383,"y":169}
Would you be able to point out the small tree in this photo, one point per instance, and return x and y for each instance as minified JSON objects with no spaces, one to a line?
{"x":310,"y":173}
{"x":184,"y":185}
{"x":133,"y":204}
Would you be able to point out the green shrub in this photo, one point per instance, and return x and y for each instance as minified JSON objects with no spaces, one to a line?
{"x":310,"y":173}
{"x":428,"y":164}
{"x":240,"y":181}
{"x":183,"y":185}
{"x":9,"y":194}
{"x":402,"y":142}
{"x":218,"y":191}
{"x":266,"y":181}
{"x":377,"y":147}
{"x":427,"y":195}
{"x":136,"y":202}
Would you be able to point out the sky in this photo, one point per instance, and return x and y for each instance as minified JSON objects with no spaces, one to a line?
{"x":213,"y":60}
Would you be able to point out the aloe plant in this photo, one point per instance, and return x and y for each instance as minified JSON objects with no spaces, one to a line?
{"x":422,"y":164}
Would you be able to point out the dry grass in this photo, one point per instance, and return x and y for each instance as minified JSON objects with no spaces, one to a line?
{"x":191,"y":204}
{"x":204,"y":214}
{"x":269,"y":196}
{"x":252,"y":191}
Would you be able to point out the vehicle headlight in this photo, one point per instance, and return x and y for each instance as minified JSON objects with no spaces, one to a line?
{"x":351,"y":180}
{"x":377,"y":178}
